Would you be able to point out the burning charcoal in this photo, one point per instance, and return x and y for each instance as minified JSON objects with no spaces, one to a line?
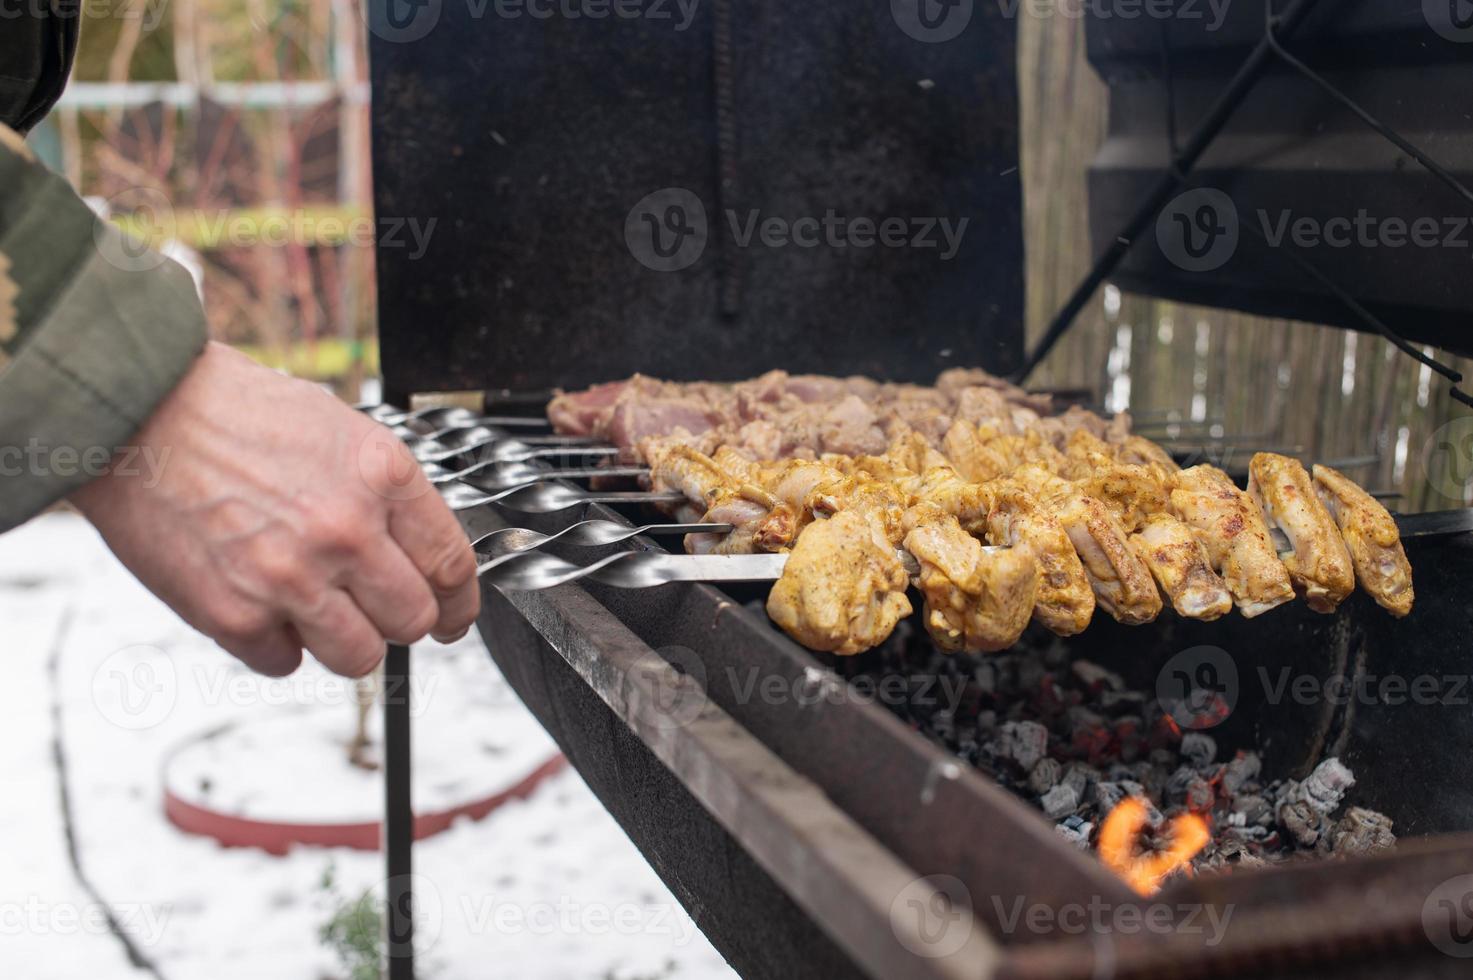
{"x":1362,"y":831}
{"x":1199,"y":749}
{"x":1123,"y":702}
{"x":1031,"y":672}
{"x":1025,"y":742}
{"x":1254,"y":810}
{"x":1044,"y":776}
{"x":986,"y":722}
{"x":1127,"y":734}
{"x":985,"y":676}
{"x":1093,"y":676}
{"x":1244,"y":767}
{"x":1108,"y":794}
{"x":1060,"y":801}
{"x":1076,"y":831}
{"x":1305,"y":824}
{"x":1325,"y":787}
{"x":1079,"y":777}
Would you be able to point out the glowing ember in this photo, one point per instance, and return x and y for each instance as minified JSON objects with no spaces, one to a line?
{"x":1121,"y":833}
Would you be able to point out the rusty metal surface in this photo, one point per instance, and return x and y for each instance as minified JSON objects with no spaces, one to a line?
{"x":530,"y":141}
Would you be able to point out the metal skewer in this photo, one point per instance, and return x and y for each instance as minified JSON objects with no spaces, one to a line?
{"x":547,"y":497}
{"x":503,"y":476}
{"x":504,"y":450}
{"x":445,"y":415}
{"x":478,"y":436}
{"x":513,"y":540}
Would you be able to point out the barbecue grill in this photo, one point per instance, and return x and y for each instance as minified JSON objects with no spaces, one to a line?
{"x":809,"y":831}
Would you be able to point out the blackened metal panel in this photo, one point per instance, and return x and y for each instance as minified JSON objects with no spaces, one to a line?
{"x":531,"y":141}
{"x":1298,"y":173}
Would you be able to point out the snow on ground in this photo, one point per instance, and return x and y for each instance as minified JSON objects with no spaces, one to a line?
{"x":547,"y":887}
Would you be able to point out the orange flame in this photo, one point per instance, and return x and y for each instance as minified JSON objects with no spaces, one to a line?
{"x":1121,"y":832}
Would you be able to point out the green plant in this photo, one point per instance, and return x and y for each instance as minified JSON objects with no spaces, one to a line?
{"x":355,"y":931}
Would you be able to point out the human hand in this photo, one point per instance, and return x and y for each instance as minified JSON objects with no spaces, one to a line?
{"x":278,"y":518}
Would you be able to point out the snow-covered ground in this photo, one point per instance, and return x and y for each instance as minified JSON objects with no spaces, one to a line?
{"x":547,"y":887}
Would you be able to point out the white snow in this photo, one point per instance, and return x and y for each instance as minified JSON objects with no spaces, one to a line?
{"x":546,"y":887}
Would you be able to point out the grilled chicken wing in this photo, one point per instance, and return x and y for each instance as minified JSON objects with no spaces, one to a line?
{"x":1182,"y":567}
{"x":1319,"y":566}
{"x":1122,"y":583}
{"x":971,"y":455}
{"x":1231,"y":527}
{"x":843,"y":588}
{"x":1371,"y":537}
{"x":976,"y":600}
{"x":1065,"y":603}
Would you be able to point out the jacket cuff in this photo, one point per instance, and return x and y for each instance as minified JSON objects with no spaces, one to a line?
{"x":113,"y":342}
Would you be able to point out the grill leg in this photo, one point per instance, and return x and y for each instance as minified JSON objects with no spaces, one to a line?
{"x":398,"y":816}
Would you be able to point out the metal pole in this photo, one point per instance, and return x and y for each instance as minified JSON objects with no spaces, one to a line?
{"x":398,"y":816}
{"x":1217,"y":118}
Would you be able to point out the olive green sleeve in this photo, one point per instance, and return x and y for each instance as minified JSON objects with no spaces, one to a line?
{"x":94,"y":332}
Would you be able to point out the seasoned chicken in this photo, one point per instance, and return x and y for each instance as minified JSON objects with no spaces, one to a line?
{"x":1122,"y":583}
{"x":1139,"y":451}
{"x":1065,"y":603}
{"x":971,"y":455}
{"x":679,"y":467}
{"x":1371,"y":537}
{"x":843,"y":589}
{"x":1319,"y":566}
{"x":977,"y":600}
{"x":1231,"y":527}
{"x":1182,"y":567}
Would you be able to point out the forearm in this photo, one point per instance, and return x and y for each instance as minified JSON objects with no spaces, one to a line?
{"x":92,"y":338}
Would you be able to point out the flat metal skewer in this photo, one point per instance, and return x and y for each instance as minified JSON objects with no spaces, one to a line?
{"x":504,"y":451}
{"x":450,"y":416}
{"x":514,"y":540}
{"x":494,"y":475}
{"x":547,"y":497}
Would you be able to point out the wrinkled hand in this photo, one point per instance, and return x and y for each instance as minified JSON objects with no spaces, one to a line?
{"x":280,"y":518}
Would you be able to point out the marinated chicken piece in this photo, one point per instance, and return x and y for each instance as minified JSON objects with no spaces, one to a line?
{"x":1132,"y":492}
{"x":971,"y":456}
{"x":1181,"y":565}
{"x":977,"y":600}
{"x":1122,"y":583}
{"x":1140,"y":451}
{"x":1065,"y":603}
{"x":1231,"y":527}
{"x":1319,"y":566}
{"x":1372,"y":539}
{"x":843,"y":588}
{"x":678,"y":467}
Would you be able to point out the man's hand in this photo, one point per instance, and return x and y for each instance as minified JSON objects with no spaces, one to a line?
{"x":277,"y":517}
